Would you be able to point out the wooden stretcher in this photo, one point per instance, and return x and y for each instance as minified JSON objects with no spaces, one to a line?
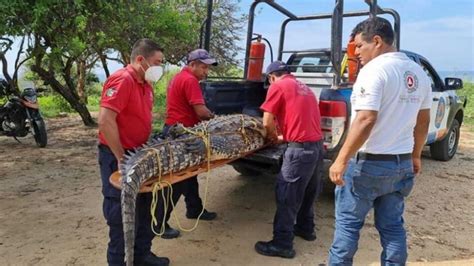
{"x":116,"y":179}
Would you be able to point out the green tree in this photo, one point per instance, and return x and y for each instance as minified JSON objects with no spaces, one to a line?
{"x":227,"y":28}
{"x":10,"y":27}
{"x":67,"y":38}
{"x":226,"y":32}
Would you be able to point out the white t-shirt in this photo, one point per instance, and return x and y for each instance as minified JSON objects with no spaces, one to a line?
{"x":396,"y":87}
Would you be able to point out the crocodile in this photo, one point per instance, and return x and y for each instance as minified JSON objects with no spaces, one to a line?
{"x":223,"y":137}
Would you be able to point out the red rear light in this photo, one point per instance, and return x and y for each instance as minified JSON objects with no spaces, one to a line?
{"x":333,"y":119}
{"x":332,"y":108}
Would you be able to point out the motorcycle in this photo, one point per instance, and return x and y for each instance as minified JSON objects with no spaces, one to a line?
{"x":19,"y":114}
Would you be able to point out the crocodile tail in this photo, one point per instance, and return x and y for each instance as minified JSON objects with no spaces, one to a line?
{"x":128,"y":200}
{"x":135,"y":169}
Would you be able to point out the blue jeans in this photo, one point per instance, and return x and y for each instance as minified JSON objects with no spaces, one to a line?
{"x":381,"y":185}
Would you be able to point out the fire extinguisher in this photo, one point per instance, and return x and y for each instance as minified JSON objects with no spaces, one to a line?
{"x":352,"y":62}
{"x":256,"y":57}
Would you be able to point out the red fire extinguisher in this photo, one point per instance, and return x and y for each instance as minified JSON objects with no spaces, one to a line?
{"x":256,"y":57}
{"x":352,"y":62}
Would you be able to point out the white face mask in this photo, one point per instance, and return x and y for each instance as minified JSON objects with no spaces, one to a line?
{"x":153,"y":73}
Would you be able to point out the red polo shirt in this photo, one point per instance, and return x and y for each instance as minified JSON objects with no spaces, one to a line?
{"x":183,"y":92}
{"x":295,"y":108}
{"x":132,"y":100}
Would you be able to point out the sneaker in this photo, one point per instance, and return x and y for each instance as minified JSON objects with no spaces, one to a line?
{"x":270,"y":249}
{"x":170,"y":233}
{"x":306,"y":236}
{"x":153,"y":260}
{"x":206,"y":216}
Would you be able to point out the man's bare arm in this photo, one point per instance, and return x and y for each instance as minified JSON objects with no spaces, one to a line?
{"x":269,"y":124}
{"x":420,"y":132}
{"x":108,"y":127}
{"x":358,"y":134}
{"x":203,"y":112}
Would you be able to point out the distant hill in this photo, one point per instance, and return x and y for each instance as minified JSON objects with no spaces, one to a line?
{"x":464,"y":75}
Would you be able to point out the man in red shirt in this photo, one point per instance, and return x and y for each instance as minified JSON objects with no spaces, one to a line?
{"x":296,"y":110}
{"x":125,"y":119}
{"x":185,"y":105}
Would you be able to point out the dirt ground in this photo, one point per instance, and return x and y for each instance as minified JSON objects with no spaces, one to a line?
{"x":51,"y":210}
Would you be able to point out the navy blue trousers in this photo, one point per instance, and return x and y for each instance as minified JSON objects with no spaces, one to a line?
{"x":297,"y":186}
{"x":113,"y":214}
{"x":189,"y":188}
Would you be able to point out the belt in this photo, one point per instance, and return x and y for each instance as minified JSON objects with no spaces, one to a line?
{"x":103,"y":146}
{"x":383,"y":157}
{"x":301,"y":144}
{"x":107,"y":148}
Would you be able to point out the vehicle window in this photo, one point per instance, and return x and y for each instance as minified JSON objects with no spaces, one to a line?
{"x":312,"y":64}
{"x":436,"y":84}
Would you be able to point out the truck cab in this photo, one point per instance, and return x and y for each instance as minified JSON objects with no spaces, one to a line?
{"x":447,"y":111}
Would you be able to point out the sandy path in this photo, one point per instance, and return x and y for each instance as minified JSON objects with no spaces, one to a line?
{"x":51,"y":214}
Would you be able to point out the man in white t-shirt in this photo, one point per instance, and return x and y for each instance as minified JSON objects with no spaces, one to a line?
{"x":377,"y":164}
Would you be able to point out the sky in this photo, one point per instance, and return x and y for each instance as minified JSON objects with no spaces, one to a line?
{"x":440,"y":30}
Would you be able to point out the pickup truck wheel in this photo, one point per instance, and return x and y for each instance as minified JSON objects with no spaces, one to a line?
{"x":245,"y":171}
{"x":445,"y":149}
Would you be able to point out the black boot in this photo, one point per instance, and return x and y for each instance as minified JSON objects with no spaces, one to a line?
{"x":170,"y":233}
{"x":270,"y":249}
{"x":206,"y":215}
{"x":305,"y":235}
{"x":153,"y":260}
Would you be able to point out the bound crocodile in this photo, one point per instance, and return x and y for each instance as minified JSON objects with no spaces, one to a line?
{"x":223,"y":137}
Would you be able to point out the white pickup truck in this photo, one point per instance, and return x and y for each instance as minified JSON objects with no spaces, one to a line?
{"x":314,"y":67}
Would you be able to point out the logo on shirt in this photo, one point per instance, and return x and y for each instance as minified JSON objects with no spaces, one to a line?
{"x":110,"y":92}
{"x":362,"y":93}
{"x":411,"y":81}
{"x":303,"y":89}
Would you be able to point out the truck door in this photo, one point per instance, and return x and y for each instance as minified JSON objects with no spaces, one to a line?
{"x":440,"y":108}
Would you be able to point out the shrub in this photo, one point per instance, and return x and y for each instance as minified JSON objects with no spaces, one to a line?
{"x":53,"y":104}
{"x":468,"y":92}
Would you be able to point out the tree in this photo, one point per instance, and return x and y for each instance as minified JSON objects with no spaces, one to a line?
{"x":11,"y":27}
{"x":68,"y":37}
{"x":65,"y":39}
{"x":227,"y":27}
{"x":6,"y":44}
{"x":226,"y":30}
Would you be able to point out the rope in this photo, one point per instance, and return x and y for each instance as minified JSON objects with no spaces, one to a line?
{"x":154,"y":203}
{"x":206,"y":137}
{"x":204,"y":134}
{"x":154,"y":200}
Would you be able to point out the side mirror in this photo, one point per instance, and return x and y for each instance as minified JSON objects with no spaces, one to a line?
{"x":453,"y":83}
